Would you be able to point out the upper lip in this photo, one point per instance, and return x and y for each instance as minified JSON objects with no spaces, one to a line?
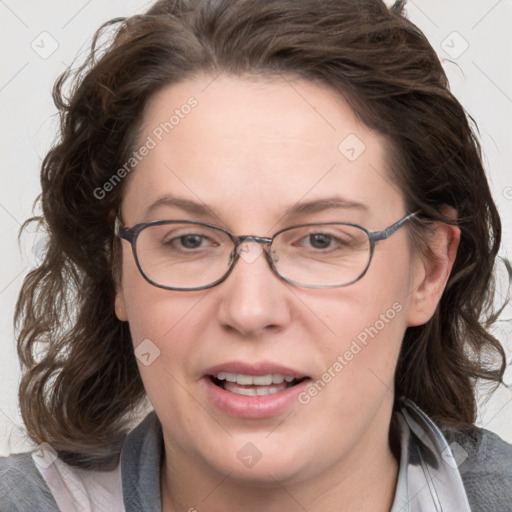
{"x":254,"y":369}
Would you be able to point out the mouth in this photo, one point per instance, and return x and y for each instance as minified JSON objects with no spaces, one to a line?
{"x":255,"y":385}
{"x":254,"y":390}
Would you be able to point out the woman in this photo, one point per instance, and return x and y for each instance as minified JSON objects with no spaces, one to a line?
{"x":267,"y":219}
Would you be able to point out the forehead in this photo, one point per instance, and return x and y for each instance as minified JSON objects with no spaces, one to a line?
{"x":253,"y":147}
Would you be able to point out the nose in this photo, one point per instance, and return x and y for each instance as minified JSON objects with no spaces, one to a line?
{"x":254,"y":300}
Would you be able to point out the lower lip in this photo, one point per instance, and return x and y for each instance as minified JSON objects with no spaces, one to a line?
{"x":264,"y":406}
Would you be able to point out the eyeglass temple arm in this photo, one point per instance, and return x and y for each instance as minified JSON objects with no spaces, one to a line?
{"x":121,"y":231}
{"x":386,"y":233}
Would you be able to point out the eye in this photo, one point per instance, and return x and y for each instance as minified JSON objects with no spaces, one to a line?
{"x":320,"y":240}
{"x":324,"y":241}
{"x":188,"y":242}
{"x":192,"y":241}
{"x":181,"y":240}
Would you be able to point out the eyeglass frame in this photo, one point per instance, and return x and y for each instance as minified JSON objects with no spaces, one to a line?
{"x":131,"y":235}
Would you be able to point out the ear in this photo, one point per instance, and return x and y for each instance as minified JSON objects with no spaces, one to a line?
{"x":433,"y":270}
{"x":117,"y":270}
{"x":120,"y":305}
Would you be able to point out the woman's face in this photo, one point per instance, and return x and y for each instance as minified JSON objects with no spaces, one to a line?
{"x":256,"y":156}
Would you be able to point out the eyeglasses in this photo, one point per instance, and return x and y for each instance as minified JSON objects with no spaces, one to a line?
{"x":190,"y":255}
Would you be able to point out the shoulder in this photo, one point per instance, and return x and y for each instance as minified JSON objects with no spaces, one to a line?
{"x":485,"y":465}
{"x":21,"y":485}
{"x":55,"y":485}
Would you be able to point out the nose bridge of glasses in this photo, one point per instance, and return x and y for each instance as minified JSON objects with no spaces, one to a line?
{"x":252,"y":238}
{"x":250,"y":247}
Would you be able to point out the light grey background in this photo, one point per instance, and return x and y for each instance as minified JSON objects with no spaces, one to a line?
{"x":38,"y":40}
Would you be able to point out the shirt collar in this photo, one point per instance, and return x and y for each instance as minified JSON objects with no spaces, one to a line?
{"x":428,"y":478}
{"x":141,"y":458}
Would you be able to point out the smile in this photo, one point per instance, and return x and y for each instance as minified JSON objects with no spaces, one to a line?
{"x":254,"y":390}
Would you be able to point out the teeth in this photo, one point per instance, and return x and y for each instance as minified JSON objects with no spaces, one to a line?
{"x":244,"y":379}
{"x":254,"y":391}
{"x":257,"y":380}
{"x":263,"y":380}
{"x":230,"y":377}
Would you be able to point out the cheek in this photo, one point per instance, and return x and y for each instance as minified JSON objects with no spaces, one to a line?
{"x":165,"y":342}
{"x":367,"y":339}
{"x":169,"y":320}
{"x":157,"y":317}
{"x":367,"y":322}
{"x":359,"y":361}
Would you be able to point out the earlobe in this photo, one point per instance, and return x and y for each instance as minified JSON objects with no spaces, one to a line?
{"x":435,"y":266}
{"x":119,"y":303}
{"x":120,"y":308}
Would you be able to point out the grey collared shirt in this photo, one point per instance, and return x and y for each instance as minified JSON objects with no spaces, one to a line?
{"x":450,"y":472}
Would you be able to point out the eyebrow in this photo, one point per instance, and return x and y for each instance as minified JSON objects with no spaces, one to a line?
{"x":299,"y":208}
{"x":187,"y":205}
{"x":326,"y":203}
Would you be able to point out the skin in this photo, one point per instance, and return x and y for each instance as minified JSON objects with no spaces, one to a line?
{"x":249,"y":150}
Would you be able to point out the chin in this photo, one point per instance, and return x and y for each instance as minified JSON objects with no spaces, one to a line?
{"x":262,"y":463}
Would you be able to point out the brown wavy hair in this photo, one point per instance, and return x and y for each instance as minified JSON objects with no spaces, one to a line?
{"x":80,"y":381}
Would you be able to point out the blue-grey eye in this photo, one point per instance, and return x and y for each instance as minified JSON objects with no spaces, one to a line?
{"x":191,"y":241}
